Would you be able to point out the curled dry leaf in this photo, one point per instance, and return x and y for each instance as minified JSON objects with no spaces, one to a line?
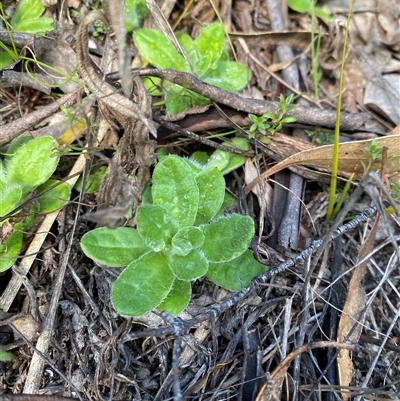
{"x":351,"y":157}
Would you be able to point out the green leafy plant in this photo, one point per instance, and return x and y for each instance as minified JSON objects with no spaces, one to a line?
{"x":179,"y":238}
{"x":395,"y":189}
{"x":27,"y":18}
{"x":269,"y":123}
{"x":307,"y":6}
{"x":135,"y":12}
{"x":5,"y":356}
{"x":320,"y":137}
{"x":206,"y":55}
{"x":25,"y":174}
{"x":374,"y":154}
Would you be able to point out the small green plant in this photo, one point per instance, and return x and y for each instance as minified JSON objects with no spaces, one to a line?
{"x":25,"y":174}
{"x":395,"y":190}
{"x":307,"y":6}
{"x":27,"y":18}
{"x":269,"y":123}
{"x":5,"y":356}
{"x":320,"y":137}
{"x":181,"y":236}
{"x":206,"y":55}
{"x":374,"y":154}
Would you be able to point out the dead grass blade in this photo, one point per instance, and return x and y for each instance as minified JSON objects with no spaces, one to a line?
{"x":299,"y":39}
{"x":350,"y":324}
{"x":351,"y":156}
{"x":271,"y":391}
{"x":165,"y":28}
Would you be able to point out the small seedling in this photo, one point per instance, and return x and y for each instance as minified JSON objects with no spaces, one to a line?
{"x":269,"y":123}
{"x":374,"y":154}
{"x":320,"y":137}
{"x":307,"y":6}
{"x":395,"y":190}
{"x":179,"y":238}
{"x":25,"y":174}
{"x":207,"y":57}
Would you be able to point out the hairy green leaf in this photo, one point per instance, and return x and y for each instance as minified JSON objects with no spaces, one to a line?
{"x":189,"y":267}
{"x":10,"y":197}
{"x":27,"y":9}
{"x":301,"y":6}
{"x":191,"y":51}
{"x":187,"y":239}
{"x":33,"y":163}
{"x":237,"y":273}
{"x":55,"y":198}
{"x":9,"y":250}
{"x":114,"y":248}
{"x":210,"y":44}
{"x":16,"y":144}
{"x":228,"y":75}
{"x":227,"y":161}
{"x":142,"y":286}
{"x":157,"y":49}
{"x":175,"y":188}
{"x":227,"y":237}
{"x":211,"y":186}
{"x":27,"y":18}
{"x":177,"y":299}
{"x":37,"y":26}
{"x":157,"y":225}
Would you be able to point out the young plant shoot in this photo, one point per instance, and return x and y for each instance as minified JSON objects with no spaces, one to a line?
{"x":181,"y":235}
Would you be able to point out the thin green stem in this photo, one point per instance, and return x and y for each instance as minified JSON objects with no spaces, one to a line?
{"x":335,"y":160}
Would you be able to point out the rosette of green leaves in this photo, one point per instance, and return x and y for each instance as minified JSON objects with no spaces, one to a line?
{"x":25,"y":173}
{"x":178,"y":239}
{"x":206,"y":55}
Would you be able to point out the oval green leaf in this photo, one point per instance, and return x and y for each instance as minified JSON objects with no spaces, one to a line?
{"x":210,"y":44}
{"x":156,"y":225}
{"x":9,"y":250}
{"x":10,"y":197}
{"x":142,"y":286}
{"x":228,"y":75}
{"x":93,"y":182}
{"x":37,"y":26}
{"x":33,"y":163}
{"x":189,"y":267}
{"x":16,"y":144}
{"x":177,"y":299}
{"x":27,"y":9}
{"x":237,"y":273}
{"x":158,"y":50}
{"x":211,"y":185}
{"x":187,"y":239}
{"x":114,"y":248}
{"x":175,"y":188}
{"x":55,"y":198}
{"x":301,"y":6}
{"x":227,"y":237}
